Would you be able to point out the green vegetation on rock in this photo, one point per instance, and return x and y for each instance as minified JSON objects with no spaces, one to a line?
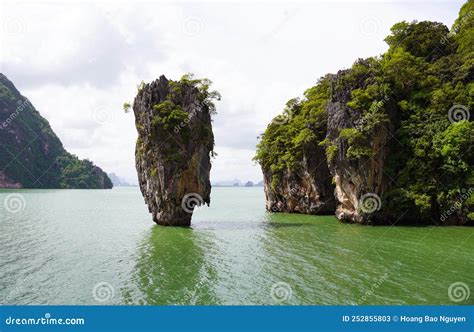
{"x":302,"y":127}
{"x":174,"y":146}
{"x":172,"y":123}
{"x":31,"y":155}
{"x":421,"y":93}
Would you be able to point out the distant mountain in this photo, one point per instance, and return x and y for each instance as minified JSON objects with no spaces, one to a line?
{"x":119,"y":182}
{"x":227,"y":183}
{"x":32,"y":156}
{"x":115,"y":180}
{"x":237,"y":183}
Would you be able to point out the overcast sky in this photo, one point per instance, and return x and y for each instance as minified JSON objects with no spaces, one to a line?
{"x":78,"y":62}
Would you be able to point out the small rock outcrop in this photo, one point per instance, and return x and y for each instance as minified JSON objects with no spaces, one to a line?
{"x":174,"y":146}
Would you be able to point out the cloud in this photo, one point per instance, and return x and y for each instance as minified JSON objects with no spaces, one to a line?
{"x":79,"y":62}
{"x":70,"y":44}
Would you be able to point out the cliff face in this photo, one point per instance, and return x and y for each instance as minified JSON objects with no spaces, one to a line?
{"x":175,"y":142}
{"x":397,"y":131}
{"x":307,"y":190}
{"x":359,"y":181}
{"x":31,"y":155}
{"x":293,"y":161}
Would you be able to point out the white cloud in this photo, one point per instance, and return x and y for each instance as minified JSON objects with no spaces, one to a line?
{"x":78,"y":62}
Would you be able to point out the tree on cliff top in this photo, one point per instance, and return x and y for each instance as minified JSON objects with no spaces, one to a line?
{"x":423,"y":88}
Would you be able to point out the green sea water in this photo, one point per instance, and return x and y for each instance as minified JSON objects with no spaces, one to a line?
{"x":101,"y":247}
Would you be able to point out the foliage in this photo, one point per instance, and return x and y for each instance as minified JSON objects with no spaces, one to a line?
{"x":206,"y":96}
{"x":127,"y":107}
{"x":80,"y":174}
{"x":181,"y":118}
{"x":409,"y":90}
{"x":170,"y":115}
{"x":288,"y":138}
{"x":32,"y":155}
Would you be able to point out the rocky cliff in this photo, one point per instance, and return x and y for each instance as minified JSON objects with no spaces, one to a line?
{"x":31,"y":155}
{"x":397,"y":132}
{"x":174,"y":147}
{"x":306,"y":190}
{"x":294,"y":164}
{"x":359,"y":152}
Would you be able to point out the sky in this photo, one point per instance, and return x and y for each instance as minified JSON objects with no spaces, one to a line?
{"x":79,"y":61}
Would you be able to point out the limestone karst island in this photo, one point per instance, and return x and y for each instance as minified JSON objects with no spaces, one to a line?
{"x":387,"y":141}
{"x":174,"y":146}
{"x":379,"y":143}
{"x":171,"y":153}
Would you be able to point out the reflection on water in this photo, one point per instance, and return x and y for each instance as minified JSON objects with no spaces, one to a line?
{"x":172,"y":268}
{"x":65,"y":242}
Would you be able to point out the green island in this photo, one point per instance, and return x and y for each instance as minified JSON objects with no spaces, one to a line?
{"x":359,"y":171}
{"x":32,"y":156}
{"x":174,"y":147}
{"x":395,"y":125}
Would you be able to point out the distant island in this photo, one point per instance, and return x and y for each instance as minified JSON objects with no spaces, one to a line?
{"x":119,"y":182}
{"x":237,"y":183}
{"x":32,"y":156}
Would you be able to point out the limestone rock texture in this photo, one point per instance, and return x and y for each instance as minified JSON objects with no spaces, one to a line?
{"x":397,"y":131}
{"x":359,"y":182}
{"x":308,"y":190}
{"x":174,"y":147}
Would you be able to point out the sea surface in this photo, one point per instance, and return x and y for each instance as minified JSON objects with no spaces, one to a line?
{"x":101,"y":247}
